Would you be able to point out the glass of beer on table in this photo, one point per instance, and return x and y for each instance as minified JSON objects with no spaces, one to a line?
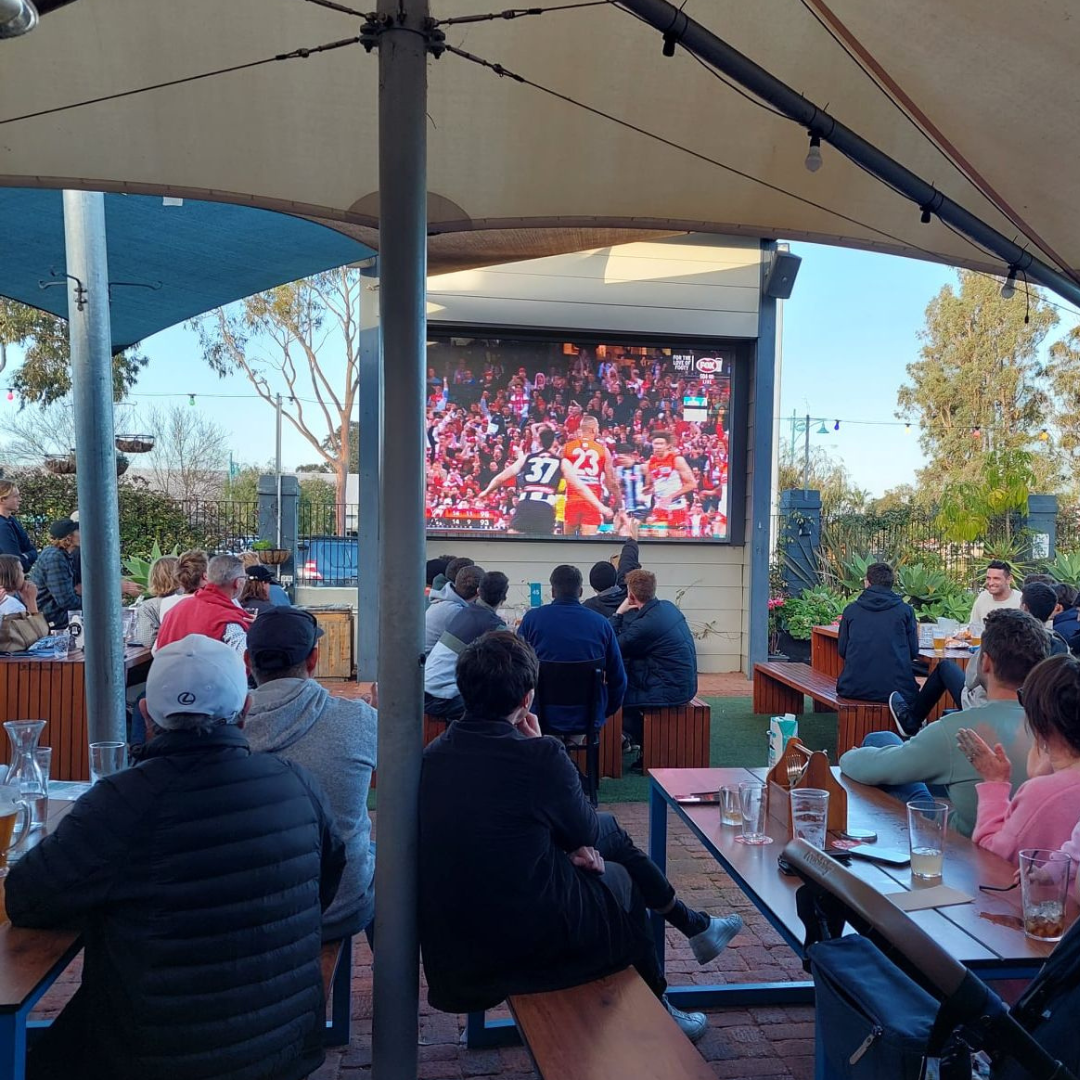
{"x":13,"y":810}
{"x":940,"y":635}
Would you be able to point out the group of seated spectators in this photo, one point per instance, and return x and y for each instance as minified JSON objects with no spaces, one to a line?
{"x":643,"y":642}
{"x":1008,"y":756}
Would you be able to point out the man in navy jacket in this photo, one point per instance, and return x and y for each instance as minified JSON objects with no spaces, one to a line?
{"x":878,"y":641}
{"x":566,"y":630}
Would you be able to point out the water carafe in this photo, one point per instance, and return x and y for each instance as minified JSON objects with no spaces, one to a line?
{"x":25,"y":773}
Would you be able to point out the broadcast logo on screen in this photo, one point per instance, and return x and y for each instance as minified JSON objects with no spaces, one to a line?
{"x":708,"y":365}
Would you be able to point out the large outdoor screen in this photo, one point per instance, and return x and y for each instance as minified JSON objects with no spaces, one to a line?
{"x":566,"y":438}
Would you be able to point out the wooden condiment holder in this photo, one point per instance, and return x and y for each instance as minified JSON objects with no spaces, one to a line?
{"x":815,"y":773}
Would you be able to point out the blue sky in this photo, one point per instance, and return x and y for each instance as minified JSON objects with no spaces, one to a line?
{"x":849,"y":332}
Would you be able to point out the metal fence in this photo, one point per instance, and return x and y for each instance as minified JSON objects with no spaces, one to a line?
{"x":218,"y":525}
{"x":327,"y":550}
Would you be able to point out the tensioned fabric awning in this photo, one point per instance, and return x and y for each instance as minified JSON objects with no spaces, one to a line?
{"x":166,"y":263}
{"x":979,"y":97}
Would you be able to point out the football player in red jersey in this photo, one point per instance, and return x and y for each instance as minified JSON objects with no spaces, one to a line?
{"x":669,"y":480}
{"x":591,"y":462}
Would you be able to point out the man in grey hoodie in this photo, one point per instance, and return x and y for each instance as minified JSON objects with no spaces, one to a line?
{"x":292,"y":716}
{"x":461,"y":592}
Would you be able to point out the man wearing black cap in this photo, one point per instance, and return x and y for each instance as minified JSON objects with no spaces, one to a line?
{"x":54,"y":574}
{"x":294,"y":717}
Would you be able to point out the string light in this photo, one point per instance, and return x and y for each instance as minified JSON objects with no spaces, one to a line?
{"x":10,"y":394}
{"x":907,"y":429}
{"x":1044,"y":435}
{"x":836,"y":426}
{"x":1008,"y":289}
{"x":813,"y":155}
{"x":191,"y":399}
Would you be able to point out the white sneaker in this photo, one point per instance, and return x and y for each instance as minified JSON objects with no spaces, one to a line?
{"x":692,"y":1024}
{"x":715,"y":938}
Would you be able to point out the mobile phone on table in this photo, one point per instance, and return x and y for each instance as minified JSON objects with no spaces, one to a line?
{"x":886,"y":856}
{"x":702,"y":798}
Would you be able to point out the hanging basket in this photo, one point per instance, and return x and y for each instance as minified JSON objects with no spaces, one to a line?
{"x":122,"y":464}
{"x":134,"y":444}
{"x":60,"y":464}
{"x":273,"y":556}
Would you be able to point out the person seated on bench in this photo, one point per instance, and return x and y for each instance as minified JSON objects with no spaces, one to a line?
{"x":1013,"y":643}
{"x":658,"y":651}
{"x":1046,"y":806}
{"x":1066,"y":615}
{"x":523,"y":886}
{"x":566,"y":631}
{"x":443,"y":603}
{"x":878,"y":641}
{"x":441,"y":697}
{"x":295,"y":718}
{"x":608,"y":581}
{"x":968,"y":688}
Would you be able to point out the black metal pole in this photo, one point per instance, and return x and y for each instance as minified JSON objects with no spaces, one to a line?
{"x":704,"y":44}
{"x":402,"y":44}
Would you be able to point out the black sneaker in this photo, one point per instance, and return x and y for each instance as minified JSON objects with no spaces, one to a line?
{"x":628,"y":745}
{"x":906,"y":724}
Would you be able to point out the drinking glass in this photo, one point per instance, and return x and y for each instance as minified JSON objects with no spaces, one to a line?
{"x":1044,"y":886}
{"x":754,"y":808}
{"x":810,"y":815}
{"x":927,"y":820}
{"x":939,"y":639}
{"x":730,"y":811}
{"x":106,"y":758}
{"x":61,"y":644}
{"x":43,"y":757}
{"x":12,"y":807}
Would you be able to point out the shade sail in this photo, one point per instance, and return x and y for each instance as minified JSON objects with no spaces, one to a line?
{"x":166,"y":263}
{"x":994,"y":81}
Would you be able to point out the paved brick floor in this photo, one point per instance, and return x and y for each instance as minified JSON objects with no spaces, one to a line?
{"x":764,"y":1043}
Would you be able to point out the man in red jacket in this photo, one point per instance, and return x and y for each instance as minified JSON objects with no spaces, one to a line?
{"x":213,"y":610}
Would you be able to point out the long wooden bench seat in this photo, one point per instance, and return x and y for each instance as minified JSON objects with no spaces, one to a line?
{"x":611,"y":1029}
{"x":677,"y":736}
{"x":780,"y":688}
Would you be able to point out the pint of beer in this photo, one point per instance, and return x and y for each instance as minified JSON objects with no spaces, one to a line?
{"x":10,"y":812}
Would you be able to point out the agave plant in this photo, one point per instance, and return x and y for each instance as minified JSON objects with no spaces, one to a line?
{"x":1064,"y":567}
{"x":956,"y":605}
{"x":922,"y":585}
{"x":137,"y":569}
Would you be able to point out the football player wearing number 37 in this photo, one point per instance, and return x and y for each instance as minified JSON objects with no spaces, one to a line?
{"x":538,"y":475}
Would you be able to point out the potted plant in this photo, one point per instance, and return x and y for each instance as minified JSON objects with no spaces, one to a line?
{"x":268,"y":554}
{"x":819,"y":606}
{"x":134,"y":444}
{"x":776,"y":614}
{"x":122,"y":464}
{"x":60,"y":464}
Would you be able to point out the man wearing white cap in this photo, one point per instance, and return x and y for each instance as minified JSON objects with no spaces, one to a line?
{"x":198,"y":879}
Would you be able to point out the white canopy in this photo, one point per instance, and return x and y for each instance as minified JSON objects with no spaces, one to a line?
{"x":979,"y":97}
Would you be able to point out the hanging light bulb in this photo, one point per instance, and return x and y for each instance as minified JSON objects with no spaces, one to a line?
{"x":191,"y":399}
{"x":907,"y":429}
{"x":813,"y":155}
{"x":836,"y":426}
{"x":10,"y":394}
{"x":1008,"y":290}
{"x":976,"y":433}
{"x":1044,"y":435}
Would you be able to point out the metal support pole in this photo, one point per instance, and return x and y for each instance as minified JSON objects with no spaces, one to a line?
{"x":806,"y":456}
{"x":371,"y":453}
{"x":95,"y":453}
{"x":277,"y":471}
{"x":761,"y":483}
{"x":403,"y":43}
{"x":679,"y":27}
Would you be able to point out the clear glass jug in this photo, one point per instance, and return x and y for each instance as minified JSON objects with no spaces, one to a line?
{"x":24,"y":772}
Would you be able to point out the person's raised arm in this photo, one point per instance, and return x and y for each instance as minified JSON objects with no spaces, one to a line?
{"x":580,"y":488}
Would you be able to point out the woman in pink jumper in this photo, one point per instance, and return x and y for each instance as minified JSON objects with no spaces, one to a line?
{"x":1046,"y":808}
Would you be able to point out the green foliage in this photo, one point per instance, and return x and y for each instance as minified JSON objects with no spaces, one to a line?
{"x":852,"y":573}
{"x":969,"y":506}
{"x":978,"y":387}
{"x":839,"y":495}
{"x":1011,"y":549}
{"x":922,"y":586}
{"x":137,"y":568}
{"x":954,"y":605}
{"x":45,"y":374}
{"x":1063,"y":567}
{"x":263,"y":545}
{"x":815,"y":607}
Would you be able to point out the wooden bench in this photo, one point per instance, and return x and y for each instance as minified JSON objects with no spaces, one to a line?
{"x":677,"y":736}
{"x":611,"y":1029}
{"x":780,"y":688}
{"x":336,"y":962}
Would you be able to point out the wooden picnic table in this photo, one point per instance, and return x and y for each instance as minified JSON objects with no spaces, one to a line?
{"x":985,"y":935}
{"x":30,"y":961}
{"x":54,"y":690}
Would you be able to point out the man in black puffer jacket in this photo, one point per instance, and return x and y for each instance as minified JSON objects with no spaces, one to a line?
{"x":658,"y":653}
{"x":198,"y":879}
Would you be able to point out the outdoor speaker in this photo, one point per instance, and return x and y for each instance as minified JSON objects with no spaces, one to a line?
{"x":780,"y":279}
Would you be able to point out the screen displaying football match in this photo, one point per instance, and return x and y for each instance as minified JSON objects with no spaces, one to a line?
{"x":548,"y":439}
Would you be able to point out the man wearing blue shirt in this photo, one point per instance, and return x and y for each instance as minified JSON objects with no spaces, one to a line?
{"x":566,"y":631}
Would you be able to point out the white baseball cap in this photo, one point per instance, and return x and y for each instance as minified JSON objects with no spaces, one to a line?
{"x":195,"y":676}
